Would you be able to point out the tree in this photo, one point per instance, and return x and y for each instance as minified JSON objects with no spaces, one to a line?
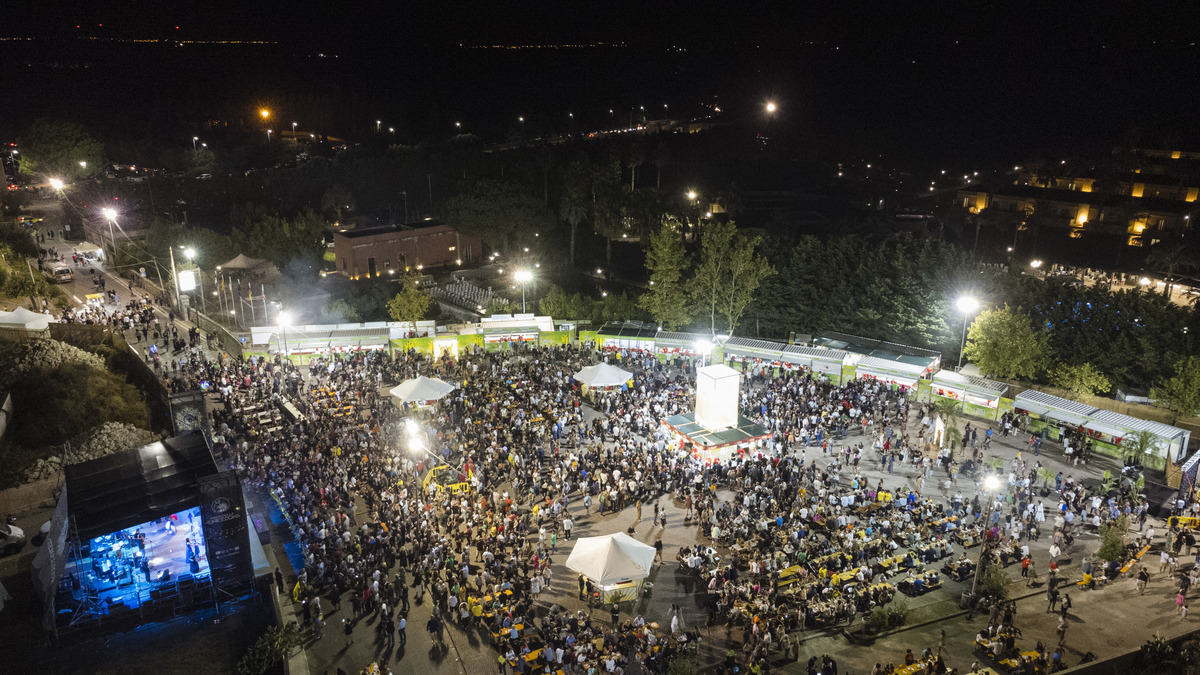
{"x":1003,"y":344}
{"x":747,"y":271}
{"x":1139,"y":446}
{"x":1168,"y":259}
{"x":994,"y":583}
{"x":1180,"y":393}
{"x":272,"y":648}
{"x":1081,"y":380}
{"x":337,"y":201}
{"x":502,"y":213}
{"x":1112,"y":539}
{"x":666,"y":299}
{"x":727,"y":275}
{"x":575,"y":204}
{"x":411,"y":303}
{"x":287,"y":242}
{"x":55,"y":148}
{"x":557,"y":303}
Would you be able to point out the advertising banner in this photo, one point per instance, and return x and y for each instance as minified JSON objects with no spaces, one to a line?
{"x":226,"y":532}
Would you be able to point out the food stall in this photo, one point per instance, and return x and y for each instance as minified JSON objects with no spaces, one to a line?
{"x":979,"y":396}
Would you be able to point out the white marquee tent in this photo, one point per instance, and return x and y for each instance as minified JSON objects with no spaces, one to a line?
{"x":23,"y":319}
{"x":611,"y":559}
{"x":421,"y":389}
{"x":603,"y":376}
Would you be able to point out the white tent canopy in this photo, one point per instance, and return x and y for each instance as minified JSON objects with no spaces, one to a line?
{"x":611,"y":559}
{"x":603,"y":376}
{"x":243,"y":262}
{"x":421,"y":389}
{"x":23,"y":319}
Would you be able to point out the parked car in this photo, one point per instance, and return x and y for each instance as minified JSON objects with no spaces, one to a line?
{"x":59,"y":274}
{"x":12,"y":539}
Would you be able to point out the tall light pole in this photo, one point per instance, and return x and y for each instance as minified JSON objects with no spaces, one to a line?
{"x":523,"y":277}
{"x":194,"y":139}
{"x":284,"y":318}
{"x":191,"y":255}
{"x":990,"y":485}
{"x":174,"y":276}
{"x":269,"y":135}
{"x":294,"y":133}
{"x":111,"y":216}
{"x":967,"y":305}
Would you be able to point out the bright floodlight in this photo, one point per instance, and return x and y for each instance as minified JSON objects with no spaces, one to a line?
{"x":110,"y":214}
{"x":285,"y":319}
{"x":771,"y":107}
{"x":56,"y":184}
{"x":83,"y":164}
{"x":1035,"y":264}
{"x":704,"y":346}
{"x":691,"y":194}
{"x":966,"y":304}
{"x":190,"y":253}
{"x":265,"y":113}
{"x":1145,"y":281}
{"x":523,"y":276}
{"x":991,"y":483}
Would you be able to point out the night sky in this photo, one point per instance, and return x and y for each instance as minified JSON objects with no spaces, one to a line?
{"x":964,"y":81}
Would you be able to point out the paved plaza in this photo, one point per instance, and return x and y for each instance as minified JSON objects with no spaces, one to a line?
{"x":1093,"y":618}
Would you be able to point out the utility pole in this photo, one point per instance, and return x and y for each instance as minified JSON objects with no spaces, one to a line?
{"x":174,"y":278}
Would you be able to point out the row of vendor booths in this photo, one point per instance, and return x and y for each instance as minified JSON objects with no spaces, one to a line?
{"x":842,"y":358}
{"x":1050,"y":416}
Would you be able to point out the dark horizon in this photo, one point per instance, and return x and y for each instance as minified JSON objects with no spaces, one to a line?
{"x":976,"y":87}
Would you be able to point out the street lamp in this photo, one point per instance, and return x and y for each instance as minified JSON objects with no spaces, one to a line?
{"x":704,"y":347}
{"x":523,"y":277}
{"x":284,"y":319}
{"x":110,"y":215}
{"x":191,"y":255}
{"x":194,"y":139}
{"x":990,"y":484}
{"x":56,"y":184}
{"x":265,"y":113}
{"x":771,"y":107}
{"x":269,"y":131}
{"x":691,"y":195}
{"x":293,"y":132}
{"x":967,"y":305}
{"x":83,"y":165}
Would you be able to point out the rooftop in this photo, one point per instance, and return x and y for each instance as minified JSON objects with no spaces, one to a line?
{"x":391,"y":227}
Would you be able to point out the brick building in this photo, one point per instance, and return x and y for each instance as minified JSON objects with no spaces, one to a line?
{"x":375,"y":251}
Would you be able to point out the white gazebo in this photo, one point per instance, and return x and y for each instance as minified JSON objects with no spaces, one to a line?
{"x":421,"y":390}
{"x":21,"y":319}
{"x":616,"y":564}
{"x":603,"y":376}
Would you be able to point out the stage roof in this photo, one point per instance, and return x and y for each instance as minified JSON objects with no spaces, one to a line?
{"x":745,"y":431}
{"x":138,"y":485}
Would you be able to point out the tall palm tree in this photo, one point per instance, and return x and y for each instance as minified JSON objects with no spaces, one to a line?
{"x":574,"y":207}
{"x":635,"y":158}
{"x":1168,"y":258}
{"x":661,"y":158}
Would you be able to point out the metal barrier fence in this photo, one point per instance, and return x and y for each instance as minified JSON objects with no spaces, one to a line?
{"x":230,"y":343}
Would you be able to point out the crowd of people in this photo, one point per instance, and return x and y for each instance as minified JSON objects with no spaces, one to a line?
{"x":791,"y":534}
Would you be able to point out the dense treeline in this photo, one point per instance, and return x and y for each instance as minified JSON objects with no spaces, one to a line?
{"x":903,"y":289}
